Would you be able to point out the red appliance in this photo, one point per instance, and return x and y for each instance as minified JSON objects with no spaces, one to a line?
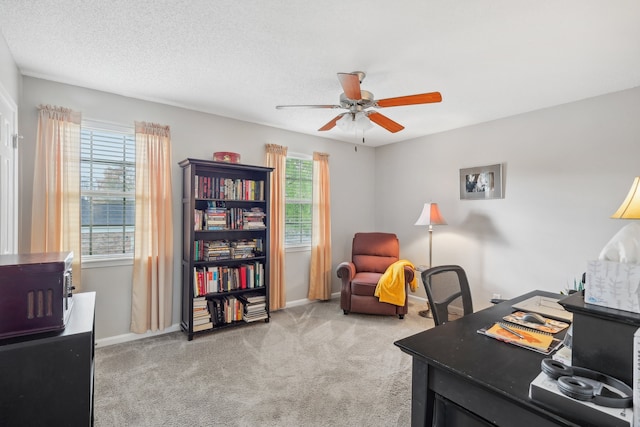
{"x":35,"y":293}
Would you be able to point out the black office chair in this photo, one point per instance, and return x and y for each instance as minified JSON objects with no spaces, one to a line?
{"x":447,"y":285}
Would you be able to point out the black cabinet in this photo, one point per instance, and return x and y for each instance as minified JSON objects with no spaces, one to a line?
{"x":225,"y":245}
{"x":47,"y":378}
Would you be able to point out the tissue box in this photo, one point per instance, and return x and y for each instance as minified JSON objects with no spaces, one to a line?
{"x":614,"y":285}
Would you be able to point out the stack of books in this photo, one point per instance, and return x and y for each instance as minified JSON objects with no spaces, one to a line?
{"x":255,"y":307}
{"x":201,"y":315}
{"x":253,"y":219}
{"x":242,"y":249}
{"x":216,"y":218}
{"x":217,"y":250}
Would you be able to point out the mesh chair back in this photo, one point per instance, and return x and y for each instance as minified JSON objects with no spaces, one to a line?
{"x":448,"y":292}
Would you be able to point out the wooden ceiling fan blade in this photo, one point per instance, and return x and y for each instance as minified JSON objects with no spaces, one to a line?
{"x":422,"y":98}
{"x":332,"y":123}
{"x":385,"y":122}
{"x":351,"y":85}
{"x":286,"y":107}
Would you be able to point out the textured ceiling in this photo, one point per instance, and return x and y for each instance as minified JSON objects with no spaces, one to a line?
{"x":239,"y":59}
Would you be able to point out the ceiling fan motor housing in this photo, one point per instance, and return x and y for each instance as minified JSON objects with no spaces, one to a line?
{"x":354,"y":105}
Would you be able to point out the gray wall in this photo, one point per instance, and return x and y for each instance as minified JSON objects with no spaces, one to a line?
{"x":566,"y":170}
{"x":197,"y":135}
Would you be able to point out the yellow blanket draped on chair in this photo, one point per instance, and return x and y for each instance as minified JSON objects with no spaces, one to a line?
{"x":390,"y":286}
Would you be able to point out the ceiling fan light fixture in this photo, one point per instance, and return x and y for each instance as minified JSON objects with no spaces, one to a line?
{"x":346,"y":122}
{"x":350,"y":122}
{"x":362,"y":122}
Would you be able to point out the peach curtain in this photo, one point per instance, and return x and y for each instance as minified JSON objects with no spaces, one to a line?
{"x":276,"y":158}
{"x":152,"y":294}
{"x":320,"y":274}
{"x":55,"y":205}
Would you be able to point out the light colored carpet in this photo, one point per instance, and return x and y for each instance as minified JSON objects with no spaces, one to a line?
{"x":309,"y":366}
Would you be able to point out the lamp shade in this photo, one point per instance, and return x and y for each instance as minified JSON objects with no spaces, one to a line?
{"x":430,"y":215}
{"x":630,"y":208}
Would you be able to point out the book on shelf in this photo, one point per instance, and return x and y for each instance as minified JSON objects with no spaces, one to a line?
{"x":253,"y":218}
{"x":207,"y":187}
{"x":253,"y":297}
{"x":213,"y":279}
{"x":198,"y":219}
{"x":216,"y":218}
{"x":216,"y":310}
{"x":232,"y":309}
{"x":252,"y":307}
{"x":253,"y":317}
{"x":541,"y":342}
{"x":202,"y":327}
{"x":201,"y":316}
{"x":217,"y":250}
{"x":201,"y":320}
{"x":254,"y":311}
{"x":200,"y":311}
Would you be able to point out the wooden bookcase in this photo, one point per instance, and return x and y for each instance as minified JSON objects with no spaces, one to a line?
{"x":225,"y":247}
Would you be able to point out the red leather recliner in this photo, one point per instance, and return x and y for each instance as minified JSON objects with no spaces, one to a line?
{"x":371,"y":254}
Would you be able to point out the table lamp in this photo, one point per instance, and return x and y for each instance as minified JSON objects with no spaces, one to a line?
{"x":430,"y":216}
{"x":630,"y":207}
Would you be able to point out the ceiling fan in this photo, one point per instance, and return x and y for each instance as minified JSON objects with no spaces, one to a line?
{"x":358,"y":102}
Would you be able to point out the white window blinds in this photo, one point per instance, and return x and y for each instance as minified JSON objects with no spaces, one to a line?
{"x":107,"y":186}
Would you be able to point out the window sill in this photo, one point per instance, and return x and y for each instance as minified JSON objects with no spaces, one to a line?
{"x":102,"y":262}
{"x":297,"y":249}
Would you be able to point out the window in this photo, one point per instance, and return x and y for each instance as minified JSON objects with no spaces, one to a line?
{"x":107,"y":190}
{"x":298,"y":201}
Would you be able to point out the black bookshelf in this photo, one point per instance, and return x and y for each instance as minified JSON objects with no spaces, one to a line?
{"x":225,"y":249}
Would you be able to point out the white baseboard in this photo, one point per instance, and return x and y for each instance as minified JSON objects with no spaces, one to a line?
{"x":298,"y":303}
{"x":423,"y":299}
{"x":118,"y":339}
{"x":452,"y":309}
{"x":305,"y":301}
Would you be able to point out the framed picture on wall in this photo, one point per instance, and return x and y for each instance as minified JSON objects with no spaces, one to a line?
{"x":482,"y":182}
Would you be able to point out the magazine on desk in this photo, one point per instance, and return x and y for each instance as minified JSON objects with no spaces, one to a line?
{"x":550,"y":325}
{"x":545,"y":306}
{"x":531,"y":339}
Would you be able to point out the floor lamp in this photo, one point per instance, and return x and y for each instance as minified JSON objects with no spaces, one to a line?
{"x":430,"y":216}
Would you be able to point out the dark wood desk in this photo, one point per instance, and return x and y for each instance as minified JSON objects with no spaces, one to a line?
{"x":47,"y":378}
{"x":464,"y":378}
